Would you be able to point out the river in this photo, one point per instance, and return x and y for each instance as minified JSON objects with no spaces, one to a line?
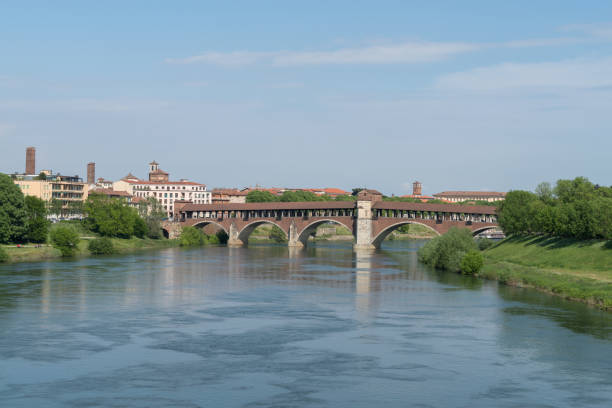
{"x":268,"y":327}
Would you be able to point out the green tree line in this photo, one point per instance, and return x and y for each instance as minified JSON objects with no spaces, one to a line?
{"x":571,"y":209}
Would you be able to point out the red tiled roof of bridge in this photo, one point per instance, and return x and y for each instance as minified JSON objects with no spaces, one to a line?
{"x":470,"y":194}
{"x":323,"y":205}
{"x":454,"y":208}
{"x":302,"y":205}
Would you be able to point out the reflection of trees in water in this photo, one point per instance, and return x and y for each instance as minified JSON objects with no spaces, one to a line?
{"x":575,"y":316}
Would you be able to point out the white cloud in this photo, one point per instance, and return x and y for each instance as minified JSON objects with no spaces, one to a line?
{"x":406,"y":53}
{"x":576,"y":73}
{"x":234,"y":58}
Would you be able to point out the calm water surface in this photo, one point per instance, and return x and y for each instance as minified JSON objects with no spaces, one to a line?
{"x":268,"y":327}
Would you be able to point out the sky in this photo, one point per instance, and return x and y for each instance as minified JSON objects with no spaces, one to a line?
{"x":469,"y":95}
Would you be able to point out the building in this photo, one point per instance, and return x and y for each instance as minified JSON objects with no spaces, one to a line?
{"x":102,"y":183}
{"x":369,"y":195}
{"x":458,"y":196}
{"x":162,"y":189}
{"x":228,"y":195}
{"x":67,"y":189}
{"x":110,"y":193}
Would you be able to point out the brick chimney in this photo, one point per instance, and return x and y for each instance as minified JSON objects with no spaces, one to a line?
{"x":91,"y":173}
{"x":30,"y":167}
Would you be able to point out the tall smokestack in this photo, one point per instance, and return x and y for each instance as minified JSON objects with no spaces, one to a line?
{"x":91,"y":173}
{"x":30,"y":160}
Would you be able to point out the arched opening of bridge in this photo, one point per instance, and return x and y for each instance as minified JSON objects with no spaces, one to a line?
{"x":422,"y":230}
{"x":325,"y":228}
{"x":262,"y":231}
{"x":480,"y":232}
{"x":213,"y":228}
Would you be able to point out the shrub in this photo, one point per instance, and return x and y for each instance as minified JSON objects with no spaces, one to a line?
{"x":212,"y":239}
{"x":446,"y":251}
{"x":471,"y":263}
{"x":154,"y":230}
{"x":485,"y":243}
{"x":191,"y":236}
{"x":3,"y":255}
{"x":101,"y":246}
{"x":140,"y":227}
{"x":65,"y":239}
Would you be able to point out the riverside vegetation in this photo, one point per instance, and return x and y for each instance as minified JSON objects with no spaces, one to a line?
{"x":111,"y":226}
{"x":559,"y":241}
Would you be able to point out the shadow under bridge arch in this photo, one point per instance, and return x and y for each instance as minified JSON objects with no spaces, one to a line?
{"x":378,"y":239}
{"x":310,"y":229}
{"x":204,"y":223}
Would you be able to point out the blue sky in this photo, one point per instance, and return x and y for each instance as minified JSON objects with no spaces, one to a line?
{"x":458,"y":95}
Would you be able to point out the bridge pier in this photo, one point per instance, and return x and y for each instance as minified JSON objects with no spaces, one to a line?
{"x":363,"y":227}
{"x":293,"y":238}
{"x":233,"y":240}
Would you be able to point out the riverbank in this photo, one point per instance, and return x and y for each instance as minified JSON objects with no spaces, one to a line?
{"x":576,"y":270}
{"x":34,"y":253}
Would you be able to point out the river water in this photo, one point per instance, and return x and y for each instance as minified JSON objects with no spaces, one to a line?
{"x":268,"y":327}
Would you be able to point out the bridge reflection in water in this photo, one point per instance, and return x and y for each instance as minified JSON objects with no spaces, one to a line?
{"x":369,"y":221}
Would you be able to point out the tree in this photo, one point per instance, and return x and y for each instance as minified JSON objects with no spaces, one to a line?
{"x":260,"y":196}
{"x":578,"y":189}
{"x":544,"y":192}
{"x":447,"y":251}
{"x":101,"y":246}
{"x":12,"y":211}
{"x":356,"y":191}
{"x":41,"y":176}
{"x":54,"y":207}
{"x":471,"y":263}
{"x":37,"y":225}
{"x":513,"y":214}
{"x":152,"y":213}
{"x":110,"y":217}
{"x":192,"y":236}
{"x":66,"y":239}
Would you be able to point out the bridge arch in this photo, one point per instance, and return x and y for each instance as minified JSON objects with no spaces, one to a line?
{"x":205,"y":222}
{"x":310,"y":228}
{"x":380,"y":237}
{"x":483,"y":229}
{"x":246,"y":231}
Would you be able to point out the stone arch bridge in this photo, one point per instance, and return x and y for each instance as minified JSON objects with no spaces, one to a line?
{"x":369,"y":221}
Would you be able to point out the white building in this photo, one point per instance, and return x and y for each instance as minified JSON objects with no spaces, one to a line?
{"x":163,"y":190}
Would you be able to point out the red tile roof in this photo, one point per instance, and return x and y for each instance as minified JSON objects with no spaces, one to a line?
{"x":470,"y":194}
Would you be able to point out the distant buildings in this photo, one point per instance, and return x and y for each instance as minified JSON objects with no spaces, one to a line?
{"x":228,"y":195}
{"x":160,"y":187}
{"x":48,"y":186}
{"x":456,"y":196}
{"x":331,"y":192}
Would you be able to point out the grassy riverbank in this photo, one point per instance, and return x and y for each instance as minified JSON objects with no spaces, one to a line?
{"x":32,"y":253}
{"x":573,"y":269}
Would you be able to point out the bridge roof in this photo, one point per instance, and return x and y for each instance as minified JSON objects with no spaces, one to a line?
{"x":449,"y":208}
{"x":302,"y":205}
